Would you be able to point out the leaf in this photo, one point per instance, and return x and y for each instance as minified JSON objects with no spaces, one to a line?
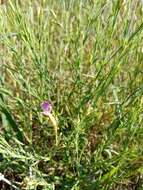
{"x":12,"y":122}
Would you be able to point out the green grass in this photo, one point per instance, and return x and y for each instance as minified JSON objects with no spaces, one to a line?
{"x":85,"y":56}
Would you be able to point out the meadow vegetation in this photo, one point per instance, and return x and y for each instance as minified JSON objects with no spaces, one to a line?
{"x":86,"y":58}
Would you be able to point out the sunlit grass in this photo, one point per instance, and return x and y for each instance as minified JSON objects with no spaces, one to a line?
{"x":85,"y":57}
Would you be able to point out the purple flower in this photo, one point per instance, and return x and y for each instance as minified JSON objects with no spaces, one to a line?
{"x":46,"y":107}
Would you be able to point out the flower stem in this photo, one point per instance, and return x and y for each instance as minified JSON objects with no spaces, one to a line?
{"x":55,"y":125}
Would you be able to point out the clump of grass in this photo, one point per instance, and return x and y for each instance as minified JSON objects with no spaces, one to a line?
{"x":86,"y":58}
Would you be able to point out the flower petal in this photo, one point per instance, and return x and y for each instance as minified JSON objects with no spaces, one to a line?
{"x":46,"y":107}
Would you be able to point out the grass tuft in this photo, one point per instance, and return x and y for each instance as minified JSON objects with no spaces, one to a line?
{"x":85,"y":57}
